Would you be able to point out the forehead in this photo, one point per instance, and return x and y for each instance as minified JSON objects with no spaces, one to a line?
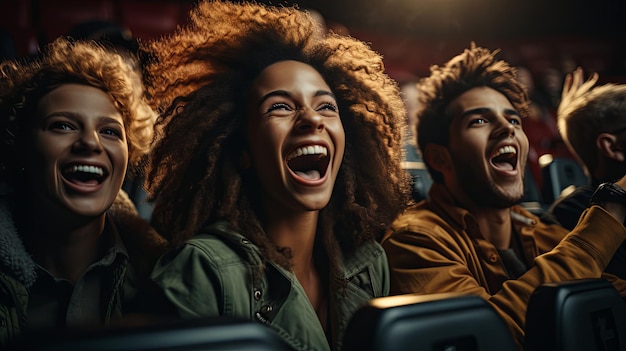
{"x":288,"y":75}
{"x":78,"y":97}
{"x":479,"y":98}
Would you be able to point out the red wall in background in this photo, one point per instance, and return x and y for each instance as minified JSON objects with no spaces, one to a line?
{"x":33,"y":22}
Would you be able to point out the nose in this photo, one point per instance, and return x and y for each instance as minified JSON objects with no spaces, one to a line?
{"x":88,"y":141}
{"x":309,"y":120}
{"x":504,"y":128}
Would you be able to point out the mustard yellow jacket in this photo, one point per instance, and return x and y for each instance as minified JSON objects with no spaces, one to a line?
{"x":437,"y":247}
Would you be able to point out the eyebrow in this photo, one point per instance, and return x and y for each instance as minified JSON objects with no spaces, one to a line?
{"x":485,"y":110}
{"x":287,"y":94}
{"x":74,"y":116}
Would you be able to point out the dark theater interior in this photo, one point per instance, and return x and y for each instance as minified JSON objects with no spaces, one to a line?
{"x":411,"y":34}
{"x":545,"y":38}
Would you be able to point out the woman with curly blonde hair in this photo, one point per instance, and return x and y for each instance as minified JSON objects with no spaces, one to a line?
{"x":276,"y":167}
{"x":71,"y":121}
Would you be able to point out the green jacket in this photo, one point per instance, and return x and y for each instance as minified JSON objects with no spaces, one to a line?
{"x":219,"y":274}
{"x":127,"y":290}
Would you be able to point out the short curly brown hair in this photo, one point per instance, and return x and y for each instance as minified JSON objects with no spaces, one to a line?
{"x":200,"y":77}
{"x":474,"y":67}
{"x":24,"y":82}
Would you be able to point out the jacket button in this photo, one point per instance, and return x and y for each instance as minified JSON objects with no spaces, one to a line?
{"x":258,"y":294}
{"x":266,"y":309}
{"x":493,"y":257}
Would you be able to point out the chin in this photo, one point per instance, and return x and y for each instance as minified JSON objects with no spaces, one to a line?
{"x":89,"y":208}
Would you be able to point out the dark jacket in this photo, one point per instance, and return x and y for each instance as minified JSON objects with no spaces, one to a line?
{"x":18,"y":271}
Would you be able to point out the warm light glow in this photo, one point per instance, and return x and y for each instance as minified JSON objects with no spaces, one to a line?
{"x":408,"y":299}
{"x":545,"y":160}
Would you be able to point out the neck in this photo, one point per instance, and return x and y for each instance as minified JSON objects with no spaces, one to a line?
{"x":495,"y":226}
{"x":298,"y":231}
{"x":494,"y":223}
{"x":63,"y":250}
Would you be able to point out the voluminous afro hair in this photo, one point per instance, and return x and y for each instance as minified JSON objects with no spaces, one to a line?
{"x":587,"y":111}
{"x":199,"y":77}
{"x":475,"y":67}
{"x":24,"y":83}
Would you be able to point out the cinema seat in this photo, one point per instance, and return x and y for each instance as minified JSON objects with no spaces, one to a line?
{"x":436,"y":322}
{"x":579,"y":315}
{"x":219,"y":333}
{"x":561,"y":174}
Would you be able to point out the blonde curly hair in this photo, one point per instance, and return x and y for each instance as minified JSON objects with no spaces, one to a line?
{"x":588,"y":110}
{"x":199,"y":78}
{"x":63,"y":61}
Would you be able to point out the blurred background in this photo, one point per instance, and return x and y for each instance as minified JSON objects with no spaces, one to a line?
{"x":544,"y":39}
{"x":539,"y":34}
{"x":542,"y":35}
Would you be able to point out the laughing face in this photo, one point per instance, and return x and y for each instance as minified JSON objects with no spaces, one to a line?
{"x":488,"y":148}
{"x":296,"y":137}
{"x":80,"y":151}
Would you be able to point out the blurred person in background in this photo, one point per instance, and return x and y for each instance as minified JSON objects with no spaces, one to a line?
{"x":592,"y":121}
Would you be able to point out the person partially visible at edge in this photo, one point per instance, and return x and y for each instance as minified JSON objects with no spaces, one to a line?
{"x":71,"y":254}
{"x":413,"y":161}
{"x":277,"y":166}
{"x":470,"y":236}
{"x":592,"y":122}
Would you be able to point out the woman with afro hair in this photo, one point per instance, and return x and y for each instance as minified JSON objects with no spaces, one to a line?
{"x":276,"y":168}
{"x":73,"y":250}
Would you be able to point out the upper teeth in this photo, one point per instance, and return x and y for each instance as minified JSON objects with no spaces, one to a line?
{"x":308,"y":150}
{"x":87,"y":169}
{"x":506,"y":150}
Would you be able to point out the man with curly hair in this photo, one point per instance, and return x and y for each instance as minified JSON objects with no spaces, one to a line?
{"x":470,"y":236}
{"x":277,"y":166}
{"x":71,"y":254}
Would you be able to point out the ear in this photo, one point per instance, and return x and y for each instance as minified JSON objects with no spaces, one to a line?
{"x":438,"y":157}
{"x":609,"y":147}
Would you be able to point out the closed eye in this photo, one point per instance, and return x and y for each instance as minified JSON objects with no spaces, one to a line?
{"x":279,"y":106}
{"x":279,"y":109}
{"x":328,"y":106}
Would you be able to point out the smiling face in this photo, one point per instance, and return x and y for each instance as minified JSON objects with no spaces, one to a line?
{"x":80,"y":153}
{"x":488,"y":149}
{"x":296,"y":137}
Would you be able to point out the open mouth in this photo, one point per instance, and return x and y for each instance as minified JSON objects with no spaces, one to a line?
{"x":309,"y":162}
{"x":84,"y":174}
{"x":505,"y":158}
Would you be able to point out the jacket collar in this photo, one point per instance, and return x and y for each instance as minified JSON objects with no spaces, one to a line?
{"x":351,"y":263}
{"x":440,"y":197}
{"x":137,"y":236}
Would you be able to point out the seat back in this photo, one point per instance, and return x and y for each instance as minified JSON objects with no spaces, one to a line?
{"x":579,"y":315}
{"x":436,"y":322}
{"x":218,"y":333}
{"x":420,"y":177}
{"x":559,"y":174}
{"x":532,"y":199}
